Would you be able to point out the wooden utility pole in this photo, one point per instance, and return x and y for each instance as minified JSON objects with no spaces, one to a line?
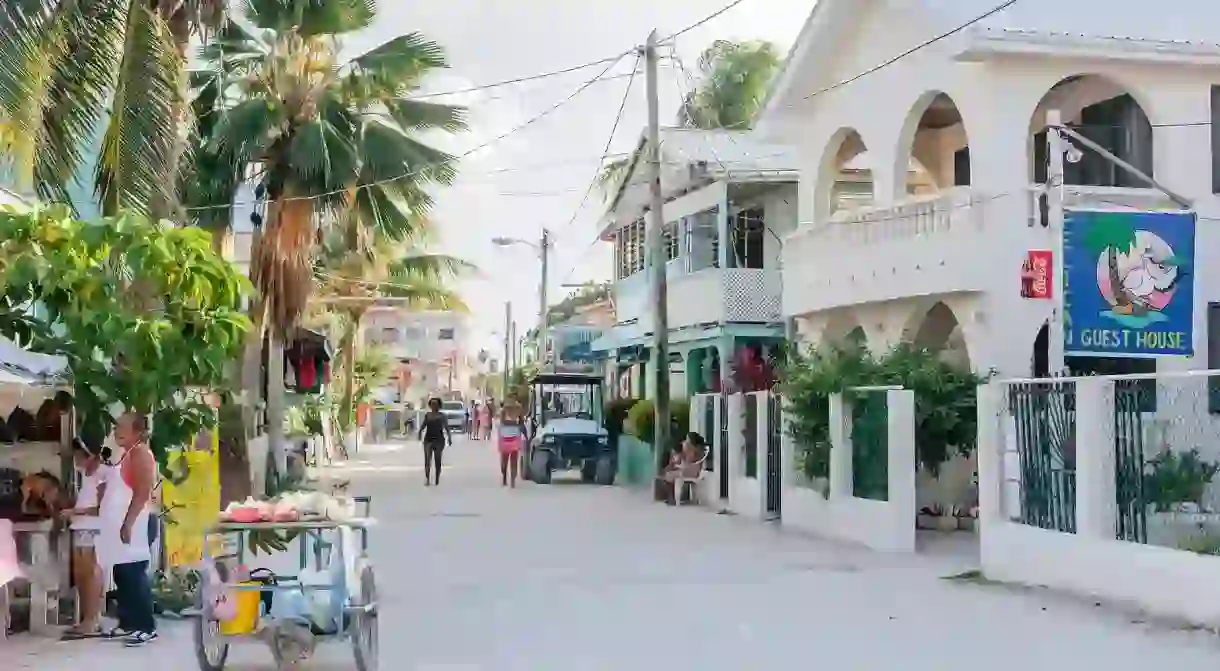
{"x":508,"y":321}
{"x":656,"y":255}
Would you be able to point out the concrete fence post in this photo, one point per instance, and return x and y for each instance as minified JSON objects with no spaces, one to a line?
{"x":901,"y":463}
{"x":990,"y":450}
{"x":735,"y":404}
{"x":1096,"y":503}
{"x":840,"y":448}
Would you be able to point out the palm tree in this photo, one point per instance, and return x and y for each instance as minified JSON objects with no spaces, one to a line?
{"x":1112,"y":234}
{"x":321,"y":137}
{"x":732,"y":85}
{"x":72,"y":70}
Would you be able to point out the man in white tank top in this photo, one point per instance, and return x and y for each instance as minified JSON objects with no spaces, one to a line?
{"x":123,"y":543}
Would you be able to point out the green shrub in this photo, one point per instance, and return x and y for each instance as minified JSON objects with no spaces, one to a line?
{"x":615,"y":415}
{"x":641,"y":420}
{"x":1171,"y":478}
{"x":945,"y":399}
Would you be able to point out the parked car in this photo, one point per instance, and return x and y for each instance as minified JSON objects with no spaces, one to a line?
{"x":455,"y":415}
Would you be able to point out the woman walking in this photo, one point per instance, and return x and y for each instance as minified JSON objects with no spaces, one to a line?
{"x":474,"y":420}
{"x":434,"y":433}
{"x":485,"y":419}
{"x":511,"y":439}
{"x":83,"y":518}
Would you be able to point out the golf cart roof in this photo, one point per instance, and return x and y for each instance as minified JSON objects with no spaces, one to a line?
{"x":566,"y":378}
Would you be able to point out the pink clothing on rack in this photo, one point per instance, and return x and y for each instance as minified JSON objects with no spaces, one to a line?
{"x":9,"y":568}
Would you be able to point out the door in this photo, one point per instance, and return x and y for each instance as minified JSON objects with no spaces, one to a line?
{"x":722,"y":453}
{"x":774,"y":462}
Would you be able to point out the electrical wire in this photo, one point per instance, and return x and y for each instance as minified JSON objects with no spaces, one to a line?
{"x":618,"y":118}
{"x":576,"y":68}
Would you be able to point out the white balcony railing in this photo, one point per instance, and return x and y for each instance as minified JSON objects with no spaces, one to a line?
{"x":710,"y":296}
{"x":920,"y":246}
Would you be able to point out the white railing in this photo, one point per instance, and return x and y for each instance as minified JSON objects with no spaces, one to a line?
{"x":953,"y":210}
{"x":708,"y":296}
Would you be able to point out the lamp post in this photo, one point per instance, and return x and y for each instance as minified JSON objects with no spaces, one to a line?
{"x":543,"y":248}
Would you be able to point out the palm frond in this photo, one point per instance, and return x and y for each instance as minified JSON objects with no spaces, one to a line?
{"x":311,"y":17}
{"x":136,"y":167}
{"x":389,"y":152}
{"x":420,"y":115}
{"x":394,"y":67}
{"x":612,"y":174}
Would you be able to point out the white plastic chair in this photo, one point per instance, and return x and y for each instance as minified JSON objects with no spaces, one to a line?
{"x":682,"y":482}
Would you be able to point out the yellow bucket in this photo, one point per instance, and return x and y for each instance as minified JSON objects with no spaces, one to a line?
{"x":249,"y":603}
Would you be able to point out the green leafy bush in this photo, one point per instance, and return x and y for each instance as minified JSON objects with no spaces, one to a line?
{"x":945,"y":399}
{"x":1177,"y":477}
{"x":642,"y":418}
{"x":615,"y":415}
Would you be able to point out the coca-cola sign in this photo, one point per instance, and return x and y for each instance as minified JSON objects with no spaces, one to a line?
{"x":1037,"y":273}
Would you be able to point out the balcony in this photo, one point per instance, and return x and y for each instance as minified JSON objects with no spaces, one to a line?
{"x":958,"y":240}
{"x":707,"y":297}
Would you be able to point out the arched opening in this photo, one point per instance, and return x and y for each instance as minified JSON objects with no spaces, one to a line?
{"x":845,"y":179}
{"x":845,"y":333}
{"x":937,"y":148}
{"x":1104,"y":111}
{"x":939,"y":331}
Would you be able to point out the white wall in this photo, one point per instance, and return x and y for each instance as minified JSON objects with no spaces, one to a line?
{"x":880,"y":525}
{"x":1001,"y":103}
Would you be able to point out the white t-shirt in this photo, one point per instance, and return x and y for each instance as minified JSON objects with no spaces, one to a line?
{"x":88,"y":497}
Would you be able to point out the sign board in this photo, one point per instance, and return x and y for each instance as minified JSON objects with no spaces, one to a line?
{"x":1037,"y":273}
{"x":193,"y":504}
{"x":1129,"y":283}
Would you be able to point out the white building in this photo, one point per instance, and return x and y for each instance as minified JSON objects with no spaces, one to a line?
{"x":431,"y":348}
{"x":942,"y":269}
{"x":728,"y":203}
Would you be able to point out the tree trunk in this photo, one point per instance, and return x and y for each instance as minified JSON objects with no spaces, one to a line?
{"x":276,"y":440}
{"x":348,"y":421}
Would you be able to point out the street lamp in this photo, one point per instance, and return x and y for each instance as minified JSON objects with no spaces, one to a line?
{"x":542,"y":247}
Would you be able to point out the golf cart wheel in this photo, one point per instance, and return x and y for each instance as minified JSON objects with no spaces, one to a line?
{"x":364,"y":624}
{"x":211,"y":650}
{"x":523,"y":465}
{"x":540,"y":467}
{"x":588,"y":470}
{"x":605,"y":471}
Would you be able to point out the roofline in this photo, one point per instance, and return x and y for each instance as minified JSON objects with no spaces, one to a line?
{"x":635,"y":160}
{"x":796,"y":54}
{"x":986,"y":42}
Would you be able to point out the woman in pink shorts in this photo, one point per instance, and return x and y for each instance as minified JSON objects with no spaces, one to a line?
{"x":511,"y":438}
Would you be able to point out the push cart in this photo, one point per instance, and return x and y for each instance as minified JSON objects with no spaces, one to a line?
{"x":321,"y":544}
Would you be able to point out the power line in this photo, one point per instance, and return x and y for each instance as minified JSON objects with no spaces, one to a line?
{"x":575,"y":68}
{"x":515,"y":129}
{"x":618,"y":118}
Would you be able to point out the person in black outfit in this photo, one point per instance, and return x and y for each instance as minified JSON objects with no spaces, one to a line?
{"x":434,"y":432}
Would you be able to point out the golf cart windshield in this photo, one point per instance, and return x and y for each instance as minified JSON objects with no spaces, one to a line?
{"x":565,"y":396}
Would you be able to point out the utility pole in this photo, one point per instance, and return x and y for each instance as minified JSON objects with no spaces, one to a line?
{"x":544,"y":246}
{"x":1055,"y":362}
{"x":513,"y":339}
{"x":656,"y":254}
{"x":508,"y":320}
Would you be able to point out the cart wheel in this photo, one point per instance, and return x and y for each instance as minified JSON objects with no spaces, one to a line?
{"x":364,"y":624}
{"x":211,"y":650}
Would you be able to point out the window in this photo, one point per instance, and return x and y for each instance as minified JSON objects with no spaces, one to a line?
{"x":1213,"y":357}
{"x":961,"y":167}
{"x":672,"y":241}
{"x":389,"y":336}
{"x":445,"y":334}
{"x":748,"y":233}
{"x":1119,"y":125}
{"x":629,"y":250}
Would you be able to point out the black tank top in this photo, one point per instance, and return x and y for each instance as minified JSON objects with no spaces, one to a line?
{"x":434,"y":426}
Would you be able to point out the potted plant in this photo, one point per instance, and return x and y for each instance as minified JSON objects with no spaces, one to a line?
{"x":1174,"y":485}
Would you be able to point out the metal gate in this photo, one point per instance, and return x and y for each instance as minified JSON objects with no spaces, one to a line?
{"x":774,"y":453}
{"x":722,"y":453}
{"x":870,"y":445}
{"x":750,"y":444}
{"x":1045,"y":415}
{"x":1130,"y":402}
{"x":707,"y":428}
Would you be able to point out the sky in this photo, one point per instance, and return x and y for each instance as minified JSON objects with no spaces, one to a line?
{"x":537,"y":177}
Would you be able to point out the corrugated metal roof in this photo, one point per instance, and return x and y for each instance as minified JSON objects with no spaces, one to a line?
{"x":1176,"y":21}
{"x":736,"y":151}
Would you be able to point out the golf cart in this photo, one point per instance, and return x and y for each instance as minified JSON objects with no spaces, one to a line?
{"x":566,"y":416}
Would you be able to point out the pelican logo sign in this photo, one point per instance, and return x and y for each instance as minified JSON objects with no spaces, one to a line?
{"x":1130,"y":286}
